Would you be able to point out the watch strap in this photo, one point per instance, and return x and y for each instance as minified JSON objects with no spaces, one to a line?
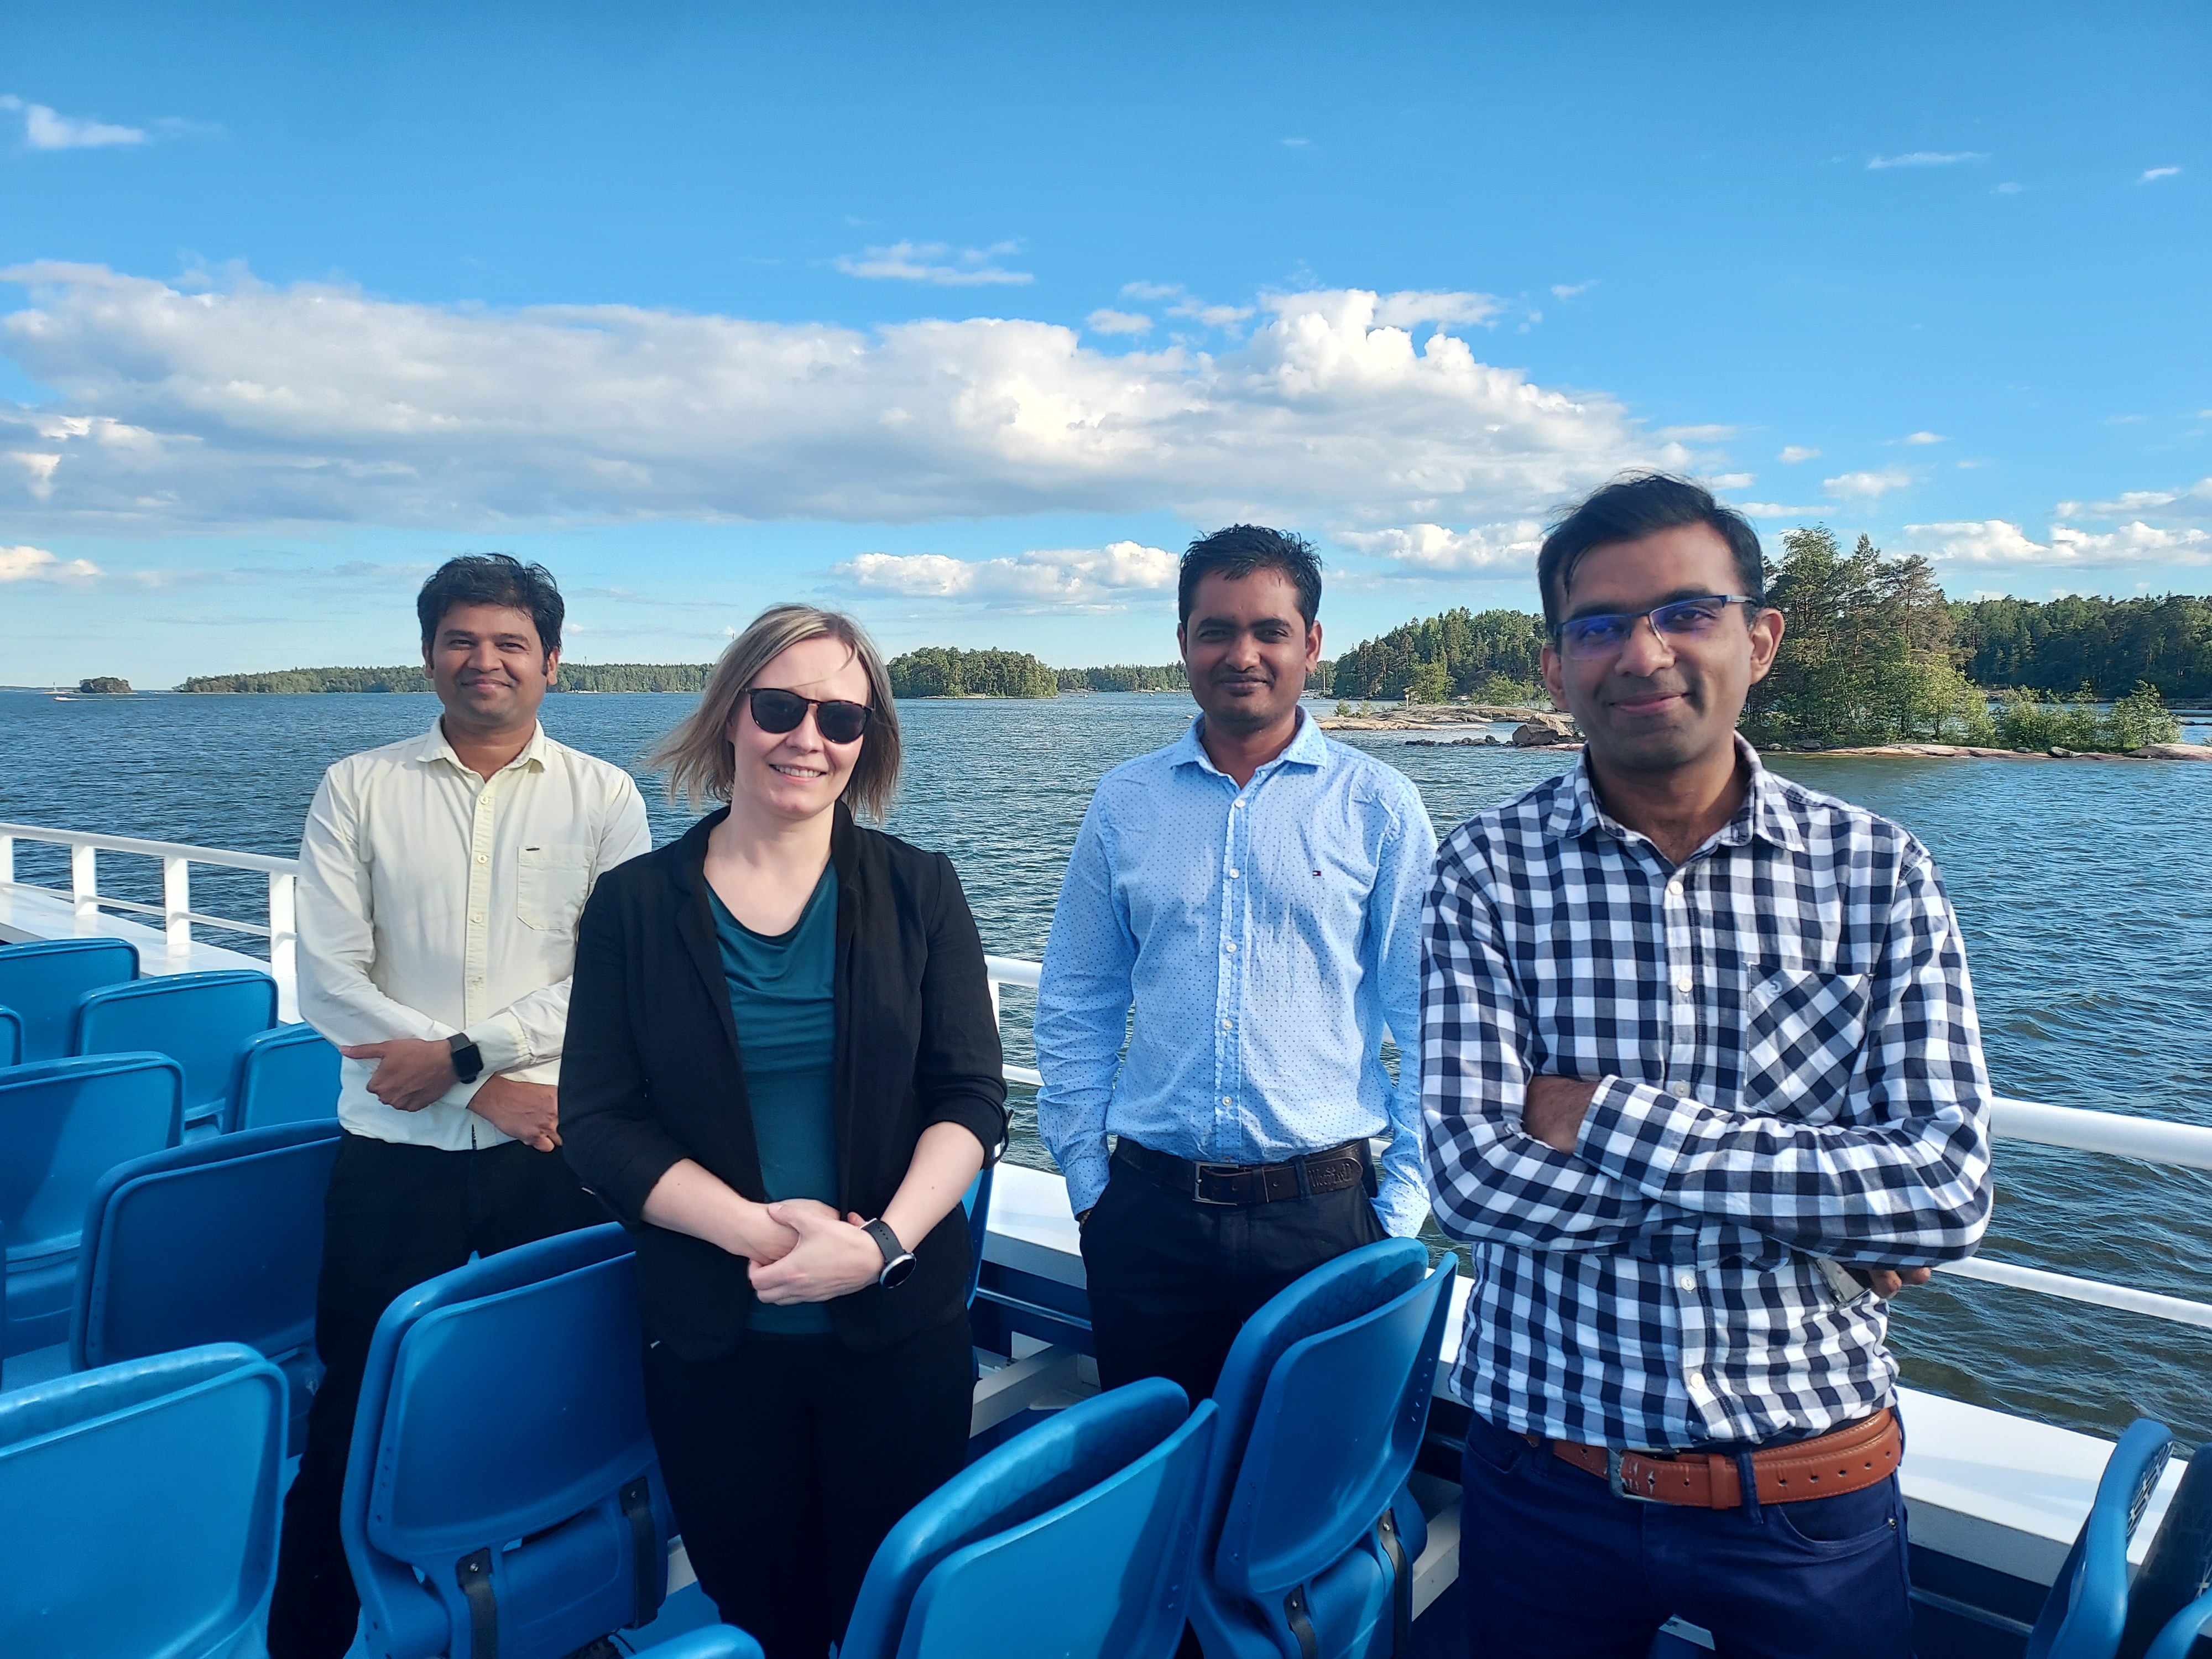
{"x":886,"y":1240}
{"x":468,"y":1059}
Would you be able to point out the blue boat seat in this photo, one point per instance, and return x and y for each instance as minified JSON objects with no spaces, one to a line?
{"x":288,"y":1074}
{"x":42,"y":981}
{"x":1076,"y":1539}
{"x":214,"y":1240}
{"x":1308,"y":1540}
{"x":138,"y":1506}
{"x":197,"y":1019}
{"x":2086,"y":1613}
{"x":2167,"y":1603}
{"x":503,"y":1401}
{"x":11,"y":1037}
{"x":64,"y":1123}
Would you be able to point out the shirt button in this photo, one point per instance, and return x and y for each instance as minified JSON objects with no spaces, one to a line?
{"x":1225,"y":1100}
{"x":1687,"y":1282}
{"x":1231,"y":947}
{"x":1673,"y":890}
{"x":1232,"y":875}
{"x":1696,"y":1382}
{"x":1680,"y":1089}
{"x":1682,"y":982}
{"x":483,"y":858}
{"x":1228,"y":1025}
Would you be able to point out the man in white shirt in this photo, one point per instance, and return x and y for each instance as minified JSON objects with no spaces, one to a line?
{"x":441,"y":881}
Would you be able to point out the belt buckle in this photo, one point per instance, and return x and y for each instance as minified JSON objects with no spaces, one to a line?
{"x":1198,"y":1173}
{"x":1613,"y":1458}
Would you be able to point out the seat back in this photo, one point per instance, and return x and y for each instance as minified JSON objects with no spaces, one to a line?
{"x":2178,"y":1566}
{"x":2086,"y":1613}
{"x":215,"y":1241}
{"x":288,"y":1074}
{"x":441,"y":1480}
{"x":1074,"y":1538}
{"x":11,"y":1037}
{"x":138,"y":1505}
{"x":977,"y":1200}
{"x":1324,"y":1399}
{"x":43,"y":980}
{"x":65,"y":1123}
{"x":197,"y":1019}
{"x":716,"y":1642}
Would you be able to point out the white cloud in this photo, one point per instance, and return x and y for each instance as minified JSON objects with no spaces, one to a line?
{"x":1432,"y":549}
{"x":44,"y":129}
{"x":2194,"y":502}
{"x":1732,"y":481}
{"x":1294,"y":143}
{"x":1568,"y":290}
{"x":2010,"y":188}
{"x":1415,"y":306}
{"x":1793,"y":453}
{"x":1198,"y":311}
{"x":1053,"y":579}
{"x":926,"y":261}
{"x":1107,"y":321}
{"x":2152,"y":175}
{"x":1151,"y":290}
{"x":1777,"y":510}
{"x":35,"y":564}
{"x":1865,"y":486}
{"x":1994,"y":543}
{"x":242,"y":403}
{"x":1926,"y":158}
{"x":1921,"y":438}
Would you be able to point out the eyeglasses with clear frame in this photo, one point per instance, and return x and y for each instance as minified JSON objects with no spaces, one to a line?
{"x":1587,"y":639}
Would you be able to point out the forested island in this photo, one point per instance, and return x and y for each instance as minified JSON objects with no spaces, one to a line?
{"x":1874,"y":654}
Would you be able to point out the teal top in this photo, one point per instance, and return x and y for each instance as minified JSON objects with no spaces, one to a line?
{"x":783,"y":994}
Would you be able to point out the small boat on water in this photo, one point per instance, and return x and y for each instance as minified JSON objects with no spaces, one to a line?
{"x":2000,"y":1505}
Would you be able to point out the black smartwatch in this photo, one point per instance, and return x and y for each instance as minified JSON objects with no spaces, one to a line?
{"x":468,"y":1060}
{"x":898,"y":1261}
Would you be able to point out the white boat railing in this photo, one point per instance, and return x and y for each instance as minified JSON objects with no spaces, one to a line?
{"x":175,"y":910}
{"x":2151,"y":1140}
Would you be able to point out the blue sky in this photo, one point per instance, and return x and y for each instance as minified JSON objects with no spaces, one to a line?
{"x":966,"y":318}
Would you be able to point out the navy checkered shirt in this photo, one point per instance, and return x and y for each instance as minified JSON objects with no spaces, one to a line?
{"x":1790,"y":1082}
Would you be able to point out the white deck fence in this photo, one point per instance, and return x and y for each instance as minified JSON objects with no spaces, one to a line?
{"x":2151,"y":1140}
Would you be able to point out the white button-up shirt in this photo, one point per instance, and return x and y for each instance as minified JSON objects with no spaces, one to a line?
{"x":433,"y":901}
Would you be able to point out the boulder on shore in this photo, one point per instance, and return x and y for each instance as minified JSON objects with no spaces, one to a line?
{"x":2196,"y":751}
{"x":1540,"y":731}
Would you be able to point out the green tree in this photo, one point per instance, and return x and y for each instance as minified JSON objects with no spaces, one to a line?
{"x":938,"y":671}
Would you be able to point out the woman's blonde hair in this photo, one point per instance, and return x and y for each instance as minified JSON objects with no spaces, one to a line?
{"x":698,"y":754}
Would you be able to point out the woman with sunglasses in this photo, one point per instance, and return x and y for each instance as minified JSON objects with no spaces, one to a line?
{"x":782,"y":1071}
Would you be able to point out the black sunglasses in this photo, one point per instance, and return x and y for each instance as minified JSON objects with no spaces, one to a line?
{"x":836,"y":719}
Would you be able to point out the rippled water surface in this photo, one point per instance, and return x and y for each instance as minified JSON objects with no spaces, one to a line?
{"x":2084,"y":888}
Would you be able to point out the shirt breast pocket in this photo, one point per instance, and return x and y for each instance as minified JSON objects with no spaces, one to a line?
{"x":1803,"y":1029}
{"x":549,"y":885}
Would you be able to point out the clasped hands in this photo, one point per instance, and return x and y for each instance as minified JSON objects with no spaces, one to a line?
{"x":801,"y":1250}
{"x":1552,"y":1110}
{"x":412,"y":1071}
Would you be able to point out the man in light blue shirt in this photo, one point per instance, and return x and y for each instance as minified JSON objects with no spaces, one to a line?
{"x":1254,"y":893}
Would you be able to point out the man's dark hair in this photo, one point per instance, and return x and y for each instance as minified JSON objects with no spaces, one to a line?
{"x":1631,"y":508}
{"x":1242,"y":548}
{"x":492,"y":578}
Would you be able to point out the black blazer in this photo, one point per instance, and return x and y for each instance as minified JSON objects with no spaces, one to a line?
{"x":650,"y":1074}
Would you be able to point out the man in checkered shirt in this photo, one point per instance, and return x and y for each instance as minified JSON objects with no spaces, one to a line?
{"x":1702,"y":1085}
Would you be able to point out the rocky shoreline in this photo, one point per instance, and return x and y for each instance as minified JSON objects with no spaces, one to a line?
{"x":1543,"y":729}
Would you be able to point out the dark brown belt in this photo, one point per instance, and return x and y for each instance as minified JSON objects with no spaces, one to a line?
{"x":1238,"y":1184}
{"x":1849,"y":1459}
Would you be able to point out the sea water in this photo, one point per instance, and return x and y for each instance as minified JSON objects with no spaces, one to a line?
{"x":2083,"y":887}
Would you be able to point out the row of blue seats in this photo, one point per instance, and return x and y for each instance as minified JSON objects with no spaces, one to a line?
{"x":1136,"y":1511}
{"x":237,"y":1068}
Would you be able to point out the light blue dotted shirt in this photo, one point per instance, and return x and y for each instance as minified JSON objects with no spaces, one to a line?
{"x":1266,"y":938}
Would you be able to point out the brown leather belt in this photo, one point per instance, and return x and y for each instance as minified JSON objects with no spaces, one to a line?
{"x":1238,"y":1184}
{"x":1849,"y":1459}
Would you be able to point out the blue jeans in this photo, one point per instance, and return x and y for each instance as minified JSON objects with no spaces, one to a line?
{"x":1553,"y":1565}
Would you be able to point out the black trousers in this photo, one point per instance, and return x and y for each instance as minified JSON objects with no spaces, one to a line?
{"x":394,"y":1216}
{"x":1171,"y":1281}
{"x":789,"y":1460}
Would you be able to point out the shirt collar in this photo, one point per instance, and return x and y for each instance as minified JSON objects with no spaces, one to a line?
{"x":435,"y":748}
{"x":1765,"y":812}
{"x":1308,"y":748}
